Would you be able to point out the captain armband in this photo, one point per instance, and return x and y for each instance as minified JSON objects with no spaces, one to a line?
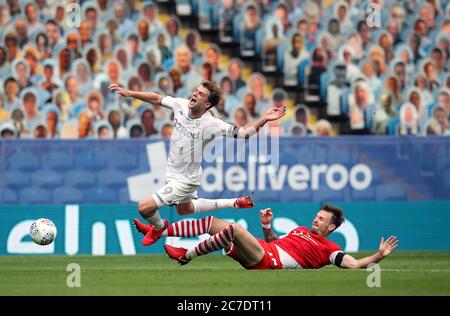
{"x":339,"y":258}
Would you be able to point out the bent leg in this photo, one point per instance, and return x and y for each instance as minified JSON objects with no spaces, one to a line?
{"x":248,"y":248}
{"x":223,"y":235}
{"x":149,"y":210}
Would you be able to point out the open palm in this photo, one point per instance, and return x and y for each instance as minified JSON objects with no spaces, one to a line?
{"x":274,"y":113}
{"x":118,"y":89}
{"x":386,"y":247}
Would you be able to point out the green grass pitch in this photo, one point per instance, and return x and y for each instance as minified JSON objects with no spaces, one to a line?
{"x":403,"y":273}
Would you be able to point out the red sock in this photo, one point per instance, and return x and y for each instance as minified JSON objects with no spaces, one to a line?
{"x":215,"y":242}
{"x":189,"y":228}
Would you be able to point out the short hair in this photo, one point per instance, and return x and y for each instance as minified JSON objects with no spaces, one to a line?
{"x":338,"y":214}
{"x":215,"y":93}
{"x":10,"y":79}
{"x":29,"y":96}
{"x":361,"y":24}
{"x":52,"y":21}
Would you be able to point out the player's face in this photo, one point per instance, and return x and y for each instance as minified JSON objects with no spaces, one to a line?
{"x":199,"y":99}
{"x":322,"y":223}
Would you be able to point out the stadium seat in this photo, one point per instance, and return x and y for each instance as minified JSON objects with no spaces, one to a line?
{"x":112,"y":178}
{"x":34,"y":195}
{"x":376,"y":177}
{"x":89,"y":160}
{"x":259,"y":38}
{"x":79,"y":178}
{"x":302,"y":71}
{"x":445,"y":177}
{"x":100,"y":195}
{"x":59,"y":161}
{"x":340,"y":155}
{"x":324,"y":79}
{"x":124,"y":161}
{"x":326,"y":195}
{"x":15,"y":179}
{"x":442,"y":158}
{"x":390,"y":192}
{"x":46,"y":179}
{"x":67,"y":195}
{"x":321,"y":155}
{"x":392,"y":126}
{"x":363,"y":195}
{"x":8,"y":196}
{"x":290,"y":195}
{"x":124,"y":196}
{"x":344,"y":101}
{"x":23,"y":162}
{"x":281,"y":49}
{"x":267,"y":196}
{"x":237,"y":27}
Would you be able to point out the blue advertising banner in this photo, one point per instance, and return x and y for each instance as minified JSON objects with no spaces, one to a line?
{"x":107,"y":229}
{"x":276,"y":170}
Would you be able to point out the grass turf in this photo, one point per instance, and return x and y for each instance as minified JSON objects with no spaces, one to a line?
{"x":403,"y":273}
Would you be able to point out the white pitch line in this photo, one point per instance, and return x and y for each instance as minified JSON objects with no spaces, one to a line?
{"x":417,"y":270}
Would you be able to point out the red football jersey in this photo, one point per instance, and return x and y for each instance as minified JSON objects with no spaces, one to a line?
{"x":310,"y":250}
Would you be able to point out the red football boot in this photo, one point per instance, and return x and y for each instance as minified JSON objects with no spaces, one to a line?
{"x":141,"y":227}
{"x":178,"y":254}
{"x":244,"y":202}
{"x":154,"y":234}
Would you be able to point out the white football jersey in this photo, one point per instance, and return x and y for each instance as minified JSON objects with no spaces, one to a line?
{"x":189,"y":138}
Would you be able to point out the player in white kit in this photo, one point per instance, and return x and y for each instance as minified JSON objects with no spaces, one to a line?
{"x":194,"y":128}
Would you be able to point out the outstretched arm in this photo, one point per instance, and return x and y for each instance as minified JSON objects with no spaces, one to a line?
{"x":149,"y":97}
{"x":386,"y":247}
{"x":266,"y":217}
{"x":271,"y":114}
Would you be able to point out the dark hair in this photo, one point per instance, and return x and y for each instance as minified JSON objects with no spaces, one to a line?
{"x":44,"y":36}
{"x":437,"y":50}
{"x":360,"y":25}
{"x":136,"y":127}
{"x":90,"y":9}
{"x":338,"y":214}
{"x":10,"y":79}
{"x":133,"y":37}
{"x":215,"y":94}
{"x":29,"y":96}
{"x":52,"y":21}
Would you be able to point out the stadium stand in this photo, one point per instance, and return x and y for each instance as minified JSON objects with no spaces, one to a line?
{"x":53,"y":74}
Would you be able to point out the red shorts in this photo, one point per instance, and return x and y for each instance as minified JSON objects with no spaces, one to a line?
{"x":270,"y":260}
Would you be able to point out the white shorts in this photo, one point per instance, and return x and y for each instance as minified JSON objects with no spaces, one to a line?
{"x":175,"y":192}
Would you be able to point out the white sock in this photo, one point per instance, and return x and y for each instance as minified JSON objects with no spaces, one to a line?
{"x":156,"y":220}
{"x":206,"y":205}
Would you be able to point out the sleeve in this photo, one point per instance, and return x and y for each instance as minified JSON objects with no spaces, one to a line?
{"x":221,"y":128}
{"x":336,"y":257}
{"x":169,"y":102}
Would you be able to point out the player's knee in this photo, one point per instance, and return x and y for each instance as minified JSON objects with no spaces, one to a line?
{"x":239,"y":229}
{"x":184,"y":210}
{"x":145,"y":208}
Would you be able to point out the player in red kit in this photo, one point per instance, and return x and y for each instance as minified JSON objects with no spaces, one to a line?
{"x":302,"y":248}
